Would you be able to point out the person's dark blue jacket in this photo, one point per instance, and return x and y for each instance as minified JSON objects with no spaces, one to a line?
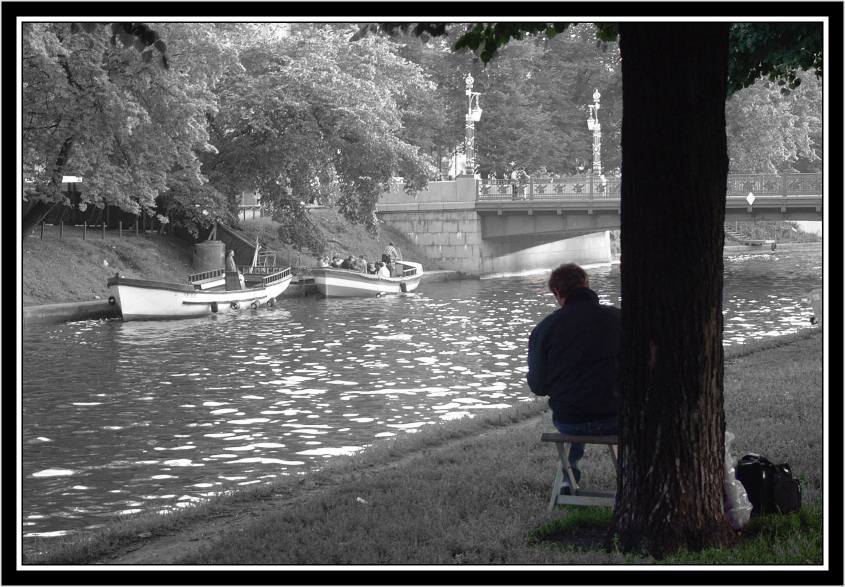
{"x":573,"y":357}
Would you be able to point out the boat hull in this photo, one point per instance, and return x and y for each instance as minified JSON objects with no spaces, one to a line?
{"x":149,"y":300}
{"x":344,"y":283}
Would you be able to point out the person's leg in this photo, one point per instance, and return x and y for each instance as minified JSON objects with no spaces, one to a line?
{"x":576,"y":450}
{"x":604,"y":427}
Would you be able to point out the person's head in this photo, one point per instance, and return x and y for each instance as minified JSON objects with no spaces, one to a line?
{"x":390,"y":244}
{"x":566,"y":279}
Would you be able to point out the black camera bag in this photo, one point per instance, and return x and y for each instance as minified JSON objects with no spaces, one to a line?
{"x":771,"y":488}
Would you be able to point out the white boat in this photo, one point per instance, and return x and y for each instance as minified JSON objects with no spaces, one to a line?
{"x":344,"y":283}
{"x":204,"y":293}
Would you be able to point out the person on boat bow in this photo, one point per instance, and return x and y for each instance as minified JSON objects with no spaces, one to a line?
{"x":234,"y":279}
{"x":230,"y":261}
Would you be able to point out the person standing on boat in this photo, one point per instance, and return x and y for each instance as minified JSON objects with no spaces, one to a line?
{"x":230,"y":261}
{"x":234,"y":279}
{"x":389,"y":254}
{"x":573,"y":357}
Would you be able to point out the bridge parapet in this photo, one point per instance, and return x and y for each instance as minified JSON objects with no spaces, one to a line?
{"x":584,"y":187}
{"x":774,"y":184}
{"x":591,"y":187}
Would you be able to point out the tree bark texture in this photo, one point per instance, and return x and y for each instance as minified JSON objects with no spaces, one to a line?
{"x":674,"y":169}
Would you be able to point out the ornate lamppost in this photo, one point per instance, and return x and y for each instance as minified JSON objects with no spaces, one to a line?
{"x":593,"y":125}
{"x":473,"y":115}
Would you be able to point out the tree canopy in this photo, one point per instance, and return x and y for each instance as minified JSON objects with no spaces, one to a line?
{"x":774,"y":131}
{"x":310,"y":117}
{"x":292,"y":112}
{"x":102,"y":111}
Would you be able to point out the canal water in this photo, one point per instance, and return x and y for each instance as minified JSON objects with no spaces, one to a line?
{"x":120,"y":418}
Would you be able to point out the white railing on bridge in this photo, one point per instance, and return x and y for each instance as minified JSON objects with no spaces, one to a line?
{"x":591,"y":187}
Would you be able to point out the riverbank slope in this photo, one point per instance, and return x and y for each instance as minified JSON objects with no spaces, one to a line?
{"x":63,"y":268}
{"x":466,"y":492}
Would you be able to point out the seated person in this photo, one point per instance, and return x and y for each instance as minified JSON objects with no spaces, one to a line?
{"x":383,"y":271}
{"x":573,"y":357}
{"x":371,"y":269}
{"x":347,"y":263}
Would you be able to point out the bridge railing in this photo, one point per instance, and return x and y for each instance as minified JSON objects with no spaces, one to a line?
{"x":772,"y":184}
{"x":590,"y":187}
{"x":549,"y":188}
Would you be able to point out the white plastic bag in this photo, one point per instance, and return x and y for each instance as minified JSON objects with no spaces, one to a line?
{"x":737,"y":505}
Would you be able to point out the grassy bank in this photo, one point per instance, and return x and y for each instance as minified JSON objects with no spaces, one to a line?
{"x":67,"y":268}
{"x":475,"y":492}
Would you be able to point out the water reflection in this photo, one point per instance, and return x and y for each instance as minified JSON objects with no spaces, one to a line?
{"x":123,"y":417}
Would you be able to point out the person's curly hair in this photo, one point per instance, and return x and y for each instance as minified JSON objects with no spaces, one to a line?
{"x":567,"y":278}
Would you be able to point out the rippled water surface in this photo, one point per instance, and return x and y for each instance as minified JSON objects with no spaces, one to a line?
{"x":127,"y":417}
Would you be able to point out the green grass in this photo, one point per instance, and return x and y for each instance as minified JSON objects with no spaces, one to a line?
{"x":475,"y":491}
{"x":791,"y":539}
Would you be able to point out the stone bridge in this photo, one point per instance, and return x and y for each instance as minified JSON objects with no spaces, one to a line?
{"x":492,"y":226}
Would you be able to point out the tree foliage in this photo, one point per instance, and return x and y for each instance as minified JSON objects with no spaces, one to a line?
{"x":310,"y":117}
{"x":770,"y":131}
{"x":778,"y":51}
{"x":99,"y":110}
{"x":534,"y":95}
{"x":289,"y":111}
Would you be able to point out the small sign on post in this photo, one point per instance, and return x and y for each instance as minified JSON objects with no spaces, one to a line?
{"x":70,"y":180}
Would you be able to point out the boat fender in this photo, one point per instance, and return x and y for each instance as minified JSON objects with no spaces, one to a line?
{"x":254,"y":305}
{"x":271,"y":302}
{"x":213,"y":307}
{"x":236,"y":306}
{"x":774,"y":246}
{"x":403,"y":287}
{"x":112,"y":301}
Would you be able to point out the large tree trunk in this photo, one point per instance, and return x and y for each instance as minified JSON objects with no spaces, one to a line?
{"x":674,"y":169}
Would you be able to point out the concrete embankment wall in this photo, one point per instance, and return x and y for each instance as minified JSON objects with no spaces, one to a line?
{"x":68,"y":312}
{"x":443,"y":222}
